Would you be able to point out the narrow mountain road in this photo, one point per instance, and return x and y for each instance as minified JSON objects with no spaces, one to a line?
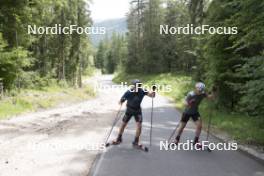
{"x":66,"y":141}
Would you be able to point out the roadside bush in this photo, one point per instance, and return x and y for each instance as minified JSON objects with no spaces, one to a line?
{"x":32,"y":80}
{"x":252,"y":90}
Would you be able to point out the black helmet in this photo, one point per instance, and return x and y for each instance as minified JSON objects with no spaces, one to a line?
{"x":136,"y":82}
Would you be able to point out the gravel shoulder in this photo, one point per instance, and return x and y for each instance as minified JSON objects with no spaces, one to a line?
{"x":62,"y":141}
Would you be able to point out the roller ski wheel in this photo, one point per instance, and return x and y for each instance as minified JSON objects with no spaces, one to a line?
{"x":140,"y":147}
{"x":113,"y":143}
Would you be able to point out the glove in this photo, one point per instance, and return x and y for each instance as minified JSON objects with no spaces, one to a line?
{"x":154,"y":87}
{"x":191,"y":102}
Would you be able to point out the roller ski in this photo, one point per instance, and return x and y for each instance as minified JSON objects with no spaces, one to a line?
{"x":176,"y":140}
{"x":140,"y":147}
{"x":115,"y":142}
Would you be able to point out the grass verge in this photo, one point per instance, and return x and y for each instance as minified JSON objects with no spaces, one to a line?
{"x":244,"y":129}
{"x":28,"y":100}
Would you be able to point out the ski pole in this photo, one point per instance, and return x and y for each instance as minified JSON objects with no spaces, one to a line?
{"x":114,"y":123}
{"x":209,"y":125}
{"x":173,"y":132}
{"x":151,"y":116}
{"x":151,"y":121}
{"x":214,"y":89}
{"x":208,"y":128}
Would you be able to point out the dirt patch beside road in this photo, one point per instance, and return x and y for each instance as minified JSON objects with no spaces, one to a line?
{"x":57,"y":142}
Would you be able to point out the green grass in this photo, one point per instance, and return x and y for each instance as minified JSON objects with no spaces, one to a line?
{"x":28,"y":100}
{"x":244,"y":129}
{"x":12,"y":106}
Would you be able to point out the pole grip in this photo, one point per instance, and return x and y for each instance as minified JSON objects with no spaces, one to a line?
{"x":154,"y":87}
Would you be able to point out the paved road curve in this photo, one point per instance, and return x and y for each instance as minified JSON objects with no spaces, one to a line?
{"x":123,"y":160}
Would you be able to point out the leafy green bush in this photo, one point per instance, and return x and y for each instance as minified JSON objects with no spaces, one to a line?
{"x":252,"y":90}
{"x":224,"y":53}
{"x":12,"y":62}
{"x":32,"y":80}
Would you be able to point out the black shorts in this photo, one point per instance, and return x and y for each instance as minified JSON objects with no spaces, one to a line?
{"x":131,"y":112}
{"x":185,"y":117}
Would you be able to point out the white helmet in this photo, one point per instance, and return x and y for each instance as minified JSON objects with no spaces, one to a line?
{"x":200,"y":86}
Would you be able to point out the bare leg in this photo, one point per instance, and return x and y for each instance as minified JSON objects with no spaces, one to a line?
{"x":182,"y":125}
{"x":121,"y":131}
{"x":122,"y":128}
{"x":198,"y":124}
{"x":138,"y":131}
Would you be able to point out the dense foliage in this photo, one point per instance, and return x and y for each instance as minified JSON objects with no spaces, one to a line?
{"x":232,"y":63}
{"x":235,"y":62}
{"x":32,"y":57}
{"x":111,"y":54}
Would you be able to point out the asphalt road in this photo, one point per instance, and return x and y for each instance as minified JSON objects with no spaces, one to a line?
{"x":123,"y":160}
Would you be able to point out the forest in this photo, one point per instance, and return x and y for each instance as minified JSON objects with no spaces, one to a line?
{"x":65,"y":64}
{"x":37,"y":60}
{"x":232,"y":63}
